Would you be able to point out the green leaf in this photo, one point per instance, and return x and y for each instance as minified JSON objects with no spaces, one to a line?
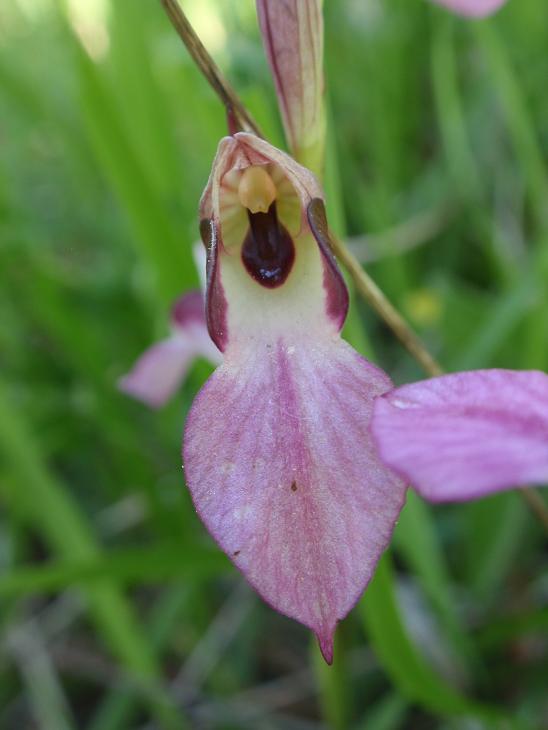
{"x":160,"y":244}
{"x":56,"y":516}
{"x":126,"y":567}
{"x":417,"y":541}
{"x":405,"y":666}
{"x":387,"y":714}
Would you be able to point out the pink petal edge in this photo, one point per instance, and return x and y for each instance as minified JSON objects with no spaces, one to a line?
{"x":189,"y":309}
{"x":465,"y":435}
{"x":159,"y":371}
{"x":472,"y":8}
{"x":284,"y":474}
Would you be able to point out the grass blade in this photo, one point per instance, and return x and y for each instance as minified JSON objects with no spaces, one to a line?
{"x":407,"y":669}
{"x":64,"y":528}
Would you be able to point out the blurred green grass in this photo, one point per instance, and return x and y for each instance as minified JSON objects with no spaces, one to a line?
{"x":117,"y":611}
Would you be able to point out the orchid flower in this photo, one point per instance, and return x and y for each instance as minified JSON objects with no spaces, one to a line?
{"x":462,"y":436}
{"x":277,"y":451}
{"x":292,"y":33}
{"x":297,"y":451}
{"x":161,"y":369}
{"x":472,"y":8}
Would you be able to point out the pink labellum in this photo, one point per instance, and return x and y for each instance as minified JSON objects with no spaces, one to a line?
{"x":283,"y":472}
{"x":472,"y":8}
{"x":161,"y":369}
{"x":277,"y":450}
{"x":465,"y":435}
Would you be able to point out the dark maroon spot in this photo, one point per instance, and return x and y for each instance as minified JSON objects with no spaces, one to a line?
{"x":268,"y":251}
{"x":236,"y":552}
{"x":294,"y":486}
{"x":206,"y":232}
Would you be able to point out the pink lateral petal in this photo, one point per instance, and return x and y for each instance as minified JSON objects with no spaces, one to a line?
{"x":159,"y":371}
{"x":189,"y":310}
{"x":337,"y":300}
{"x":472,"y":8}
{"x":216,"y":304}
{"x":162,"y":368}
{"x":465,"y":435}
{"x":283,"y":472}
{"x":188,"y":319}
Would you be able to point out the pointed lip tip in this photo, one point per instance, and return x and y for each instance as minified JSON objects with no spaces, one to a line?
{"x":326,"y":647}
